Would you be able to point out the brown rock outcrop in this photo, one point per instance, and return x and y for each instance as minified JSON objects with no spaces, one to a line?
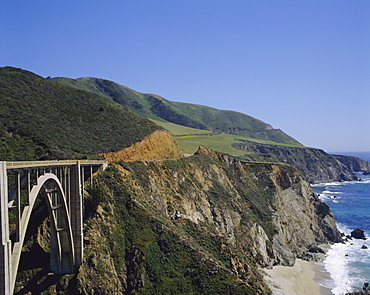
{"x":158,"y":145}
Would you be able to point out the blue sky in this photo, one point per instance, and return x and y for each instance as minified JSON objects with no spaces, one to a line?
{"x":301,"y":66}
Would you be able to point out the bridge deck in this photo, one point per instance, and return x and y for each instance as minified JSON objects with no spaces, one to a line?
{"x":34,"y":164}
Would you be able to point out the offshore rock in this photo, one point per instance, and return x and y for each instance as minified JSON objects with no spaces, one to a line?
{"x":358,"y":233}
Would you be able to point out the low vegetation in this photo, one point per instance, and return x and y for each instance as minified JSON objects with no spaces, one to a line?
{"x":42,"y":119}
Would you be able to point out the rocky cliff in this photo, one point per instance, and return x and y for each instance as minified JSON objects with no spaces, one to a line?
{"x":316,"y":165}
{"x":354,"y":163}
{"x":205,"y":224}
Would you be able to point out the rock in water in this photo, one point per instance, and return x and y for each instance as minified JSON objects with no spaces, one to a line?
{"x":358,"y":233}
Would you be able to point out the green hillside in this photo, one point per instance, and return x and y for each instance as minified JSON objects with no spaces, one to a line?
{"x":42,"y":119}
{"x":184,"y":114}
{"x":228,"y":132}
{"x":179,"y":130}
{"x":224,"y":143}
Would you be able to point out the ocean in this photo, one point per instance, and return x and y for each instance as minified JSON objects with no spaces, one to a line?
{"x":348,"y":263}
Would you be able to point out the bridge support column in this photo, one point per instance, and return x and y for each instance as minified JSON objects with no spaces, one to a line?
{"x":5,"y":247}
{"x":76,"y":209}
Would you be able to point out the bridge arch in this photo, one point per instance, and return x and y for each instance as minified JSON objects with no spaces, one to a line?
{"x":61,"y":184}
{"x":62,"y":257}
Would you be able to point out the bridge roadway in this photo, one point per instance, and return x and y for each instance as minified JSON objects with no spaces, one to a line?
{"x":61,"y":184}
{"x":60,"y":163}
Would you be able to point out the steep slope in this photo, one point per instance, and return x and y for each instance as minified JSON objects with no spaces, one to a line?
{"x":205,"y":224}
{"x":42,"y":119}
{"x":354,"y":163}
{"x":316,"y":165}
{"x":185,"y":114}
{"x":123,"y":95}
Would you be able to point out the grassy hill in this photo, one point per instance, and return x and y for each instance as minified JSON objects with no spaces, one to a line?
{"x":42,"y":119}
{"x":184,"y":114}
{"x":224,"y":143}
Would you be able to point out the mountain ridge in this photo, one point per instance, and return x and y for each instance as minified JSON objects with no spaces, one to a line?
{"x":186,"y":114}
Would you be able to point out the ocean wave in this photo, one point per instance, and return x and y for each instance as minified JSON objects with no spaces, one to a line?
{"x":328,"y":195}
{"x":342,"y":262}
{"x":321,"y":184}
{"x":331,"y":192}
{"x":364,"y":181}
{"x":347,"y":262}
{"x":323,"y":198}
{"x":328,"y":185}
{"x":337,"y":265}
{"x":343,"y":228}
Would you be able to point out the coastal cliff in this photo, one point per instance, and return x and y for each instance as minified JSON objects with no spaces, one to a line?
{"x":354,"y":163}
{"x":231,"y":219}
{"x":317,"y":165}
{"x":201,"y":224}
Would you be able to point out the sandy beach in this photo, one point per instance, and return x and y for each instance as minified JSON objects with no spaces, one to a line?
{"x":304,"y":278}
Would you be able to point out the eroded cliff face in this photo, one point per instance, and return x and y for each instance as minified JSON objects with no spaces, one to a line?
{"x":158,"y":145}
{"x":197,"y":225}
{"x":316,"y":165}
{"x":301,"y":219}
{"x":354,"y":163}
{"x":226,"y":216}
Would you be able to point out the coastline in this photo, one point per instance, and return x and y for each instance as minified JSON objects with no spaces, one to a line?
{"x":304,"y":278}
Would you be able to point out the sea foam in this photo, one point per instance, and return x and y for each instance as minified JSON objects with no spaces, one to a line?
{"x":347,"y":263}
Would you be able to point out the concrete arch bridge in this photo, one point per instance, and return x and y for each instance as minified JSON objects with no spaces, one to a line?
{"x":61,"y":183}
